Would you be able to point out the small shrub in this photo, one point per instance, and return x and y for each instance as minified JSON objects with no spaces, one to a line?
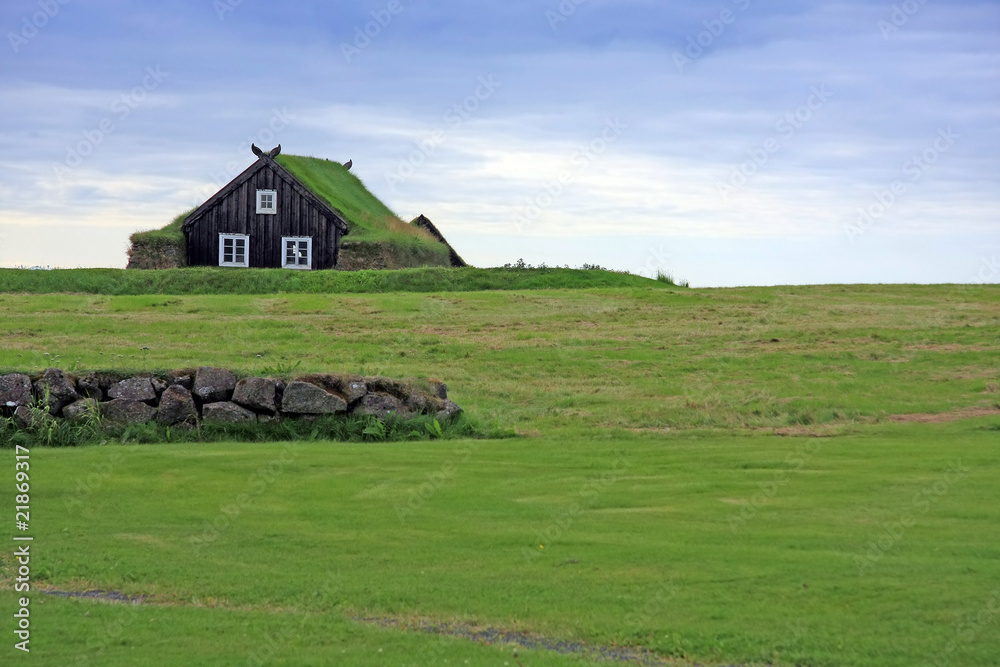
{"x":376,"y":430}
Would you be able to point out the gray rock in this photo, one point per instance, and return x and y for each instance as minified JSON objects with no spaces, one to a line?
{"x":382,"y":406}
{"x":417,"y":401}
{"x":125,"y":411}
{"x":257,"y":394}
{"x":350,"y":387}
{"x":177,"y":407}
{"x":15,"y":390}
{"x":302,"y":398}
{"x":133,"y":389}
{"x":226,"y":412}
{"x":382,"y":385}
{"x":440,"y":389}
{"x":90,"y":387}
{"x":22,"y":417}
{"x":450,"y":410}
{"x":183,"y":381}
{"x":60,"y":390}
{"x":159,"y":385}
{"x":354,"y":390}
{"x":213,"y":385}
{"x":81,"y":410}
{"x":26,"y":418}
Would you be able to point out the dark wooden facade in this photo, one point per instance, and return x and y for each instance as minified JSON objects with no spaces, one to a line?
{"x":233,"y":210}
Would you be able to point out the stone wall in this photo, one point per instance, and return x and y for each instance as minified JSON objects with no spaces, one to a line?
{"x":357,"y":255}
{"x":360,"y":255}
{"x":187,"y":397}
{"x":156,"y":255}
{"x":354,"y":256}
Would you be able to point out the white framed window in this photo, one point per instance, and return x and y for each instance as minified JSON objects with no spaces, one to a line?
{"x":234,"y":250}
{"x":267,"y":202}
{"x":297,"y":252}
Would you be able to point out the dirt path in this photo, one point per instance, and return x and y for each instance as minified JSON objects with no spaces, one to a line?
{"x":943,"y":417}
{"x":496,"y":637}
{"x":481,"y":635}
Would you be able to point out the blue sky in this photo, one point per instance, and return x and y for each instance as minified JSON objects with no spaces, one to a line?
{"x":729,"y":142}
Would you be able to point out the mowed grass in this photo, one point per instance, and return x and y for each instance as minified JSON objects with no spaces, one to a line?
{"x":612,"y":540}
{"x":668,"y":490}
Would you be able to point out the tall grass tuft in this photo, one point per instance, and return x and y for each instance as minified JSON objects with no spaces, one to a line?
{"x":668,"y":278}
{"x":60,"y":433}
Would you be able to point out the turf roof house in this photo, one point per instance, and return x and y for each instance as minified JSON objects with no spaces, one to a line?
{"x":293,"y":211}
{"x":265,"y":218}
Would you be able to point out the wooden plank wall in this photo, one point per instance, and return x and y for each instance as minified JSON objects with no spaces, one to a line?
{"x":237,"y":214}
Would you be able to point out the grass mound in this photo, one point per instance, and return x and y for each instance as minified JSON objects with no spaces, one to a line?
{"x":211,"y":280}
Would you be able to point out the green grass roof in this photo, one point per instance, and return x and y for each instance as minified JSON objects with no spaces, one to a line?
{"x":340,"y":189}
{"x":172,"y":234}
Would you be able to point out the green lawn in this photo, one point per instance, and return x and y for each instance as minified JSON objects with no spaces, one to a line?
{"x":669,"y":489}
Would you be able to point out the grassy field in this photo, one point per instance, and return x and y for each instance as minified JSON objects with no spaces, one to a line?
{"x":788,"y":476}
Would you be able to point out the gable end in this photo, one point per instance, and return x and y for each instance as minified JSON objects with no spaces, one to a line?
{"x":265,"y":161}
